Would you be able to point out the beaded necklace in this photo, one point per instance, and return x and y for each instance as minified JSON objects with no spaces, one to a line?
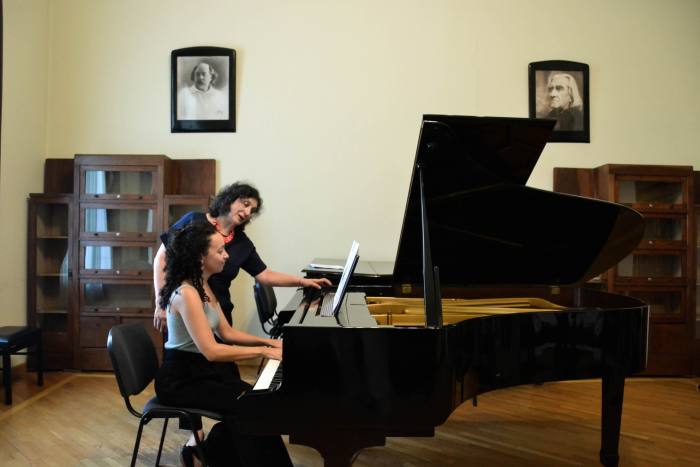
{"x":227,"y":238}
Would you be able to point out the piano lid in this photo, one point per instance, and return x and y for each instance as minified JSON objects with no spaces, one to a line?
{"x":487,"y":227}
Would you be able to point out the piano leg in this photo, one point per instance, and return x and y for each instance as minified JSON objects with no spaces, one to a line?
{"x":338,"y":447}
{"x":613,"y":394}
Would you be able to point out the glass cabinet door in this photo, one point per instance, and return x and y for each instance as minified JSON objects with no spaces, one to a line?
{"x":118,"y":221}
{"x":116,"y":297}
{"x":664,"y":231}
{"x":651,"y":192}
{"x":119,"y":259}
{"x":49,"y":277}
{"x":125,"y":183}
{"x":652,"y":266}
{"x":51,"y":258}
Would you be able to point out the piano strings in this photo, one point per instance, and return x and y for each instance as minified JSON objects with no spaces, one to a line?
{"x":411,"y":311}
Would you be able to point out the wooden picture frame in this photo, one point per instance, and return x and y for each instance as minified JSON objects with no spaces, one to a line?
{"x":203,"y":90}
{"x":559,"y":89}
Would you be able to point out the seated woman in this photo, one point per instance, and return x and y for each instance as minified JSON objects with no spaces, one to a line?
{"x":197,"y":370}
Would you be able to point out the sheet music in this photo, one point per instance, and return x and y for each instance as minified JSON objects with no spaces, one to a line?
{"x":345,"y":278}
{"x":336,"y":267}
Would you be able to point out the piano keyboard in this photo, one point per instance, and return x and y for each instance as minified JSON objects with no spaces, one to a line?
{"x":270,"y":378}
{"x":327,"y":305}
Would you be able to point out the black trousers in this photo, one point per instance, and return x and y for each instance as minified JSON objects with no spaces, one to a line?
{"x":188,"y":379}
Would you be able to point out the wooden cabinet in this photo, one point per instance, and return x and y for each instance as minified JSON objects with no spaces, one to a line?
{"x":662,"y":269}
{"x":50,"y":272}
{"x":107,"y":232}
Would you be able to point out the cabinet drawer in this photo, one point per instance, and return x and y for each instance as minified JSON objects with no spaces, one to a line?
{"x":94,"y":359}
{"x":94,"y":331}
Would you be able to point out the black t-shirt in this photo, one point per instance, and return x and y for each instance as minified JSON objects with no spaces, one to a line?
{"x":241,"y":255}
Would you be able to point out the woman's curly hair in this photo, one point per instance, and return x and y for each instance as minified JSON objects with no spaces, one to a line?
{"x":183,"y":259}
{"x":221,"y":204}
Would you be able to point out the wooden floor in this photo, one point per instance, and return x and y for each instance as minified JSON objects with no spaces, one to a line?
{"x":80,"y":419}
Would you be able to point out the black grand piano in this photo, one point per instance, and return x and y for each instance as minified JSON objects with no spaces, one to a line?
{"x":472,"y":230}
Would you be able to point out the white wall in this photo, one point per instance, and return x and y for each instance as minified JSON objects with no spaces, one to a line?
{"x":336,"y":89}
{"x":24,"y":99}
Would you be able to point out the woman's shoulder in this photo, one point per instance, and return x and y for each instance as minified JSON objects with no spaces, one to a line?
{"x":186,"y":299}
{"x":195,"y":216}
{"x":186,"y":293}
{"x":185,"y":220}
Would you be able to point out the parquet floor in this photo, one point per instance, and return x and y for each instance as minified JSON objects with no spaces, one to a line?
{"x":80,"y":419}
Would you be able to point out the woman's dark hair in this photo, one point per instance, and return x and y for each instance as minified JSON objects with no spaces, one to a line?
{"x":183,"y":259}
{"x":221,"y":204}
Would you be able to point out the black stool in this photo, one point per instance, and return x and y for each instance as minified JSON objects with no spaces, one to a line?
{"x":12,"y":340}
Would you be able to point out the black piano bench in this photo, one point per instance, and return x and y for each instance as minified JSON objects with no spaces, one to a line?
{"x":12,"y":340}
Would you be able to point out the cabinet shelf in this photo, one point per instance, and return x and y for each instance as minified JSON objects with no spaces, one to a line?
{"x":52,"y":312}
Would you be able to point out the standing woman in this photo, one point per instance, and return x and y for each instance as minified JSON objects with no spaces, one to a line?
{"x":230,"y":211}
{"x":198,"y":370}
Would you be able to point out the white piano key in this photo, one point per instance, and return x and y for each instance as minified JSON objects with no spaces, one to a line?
{"x":266,"y":376}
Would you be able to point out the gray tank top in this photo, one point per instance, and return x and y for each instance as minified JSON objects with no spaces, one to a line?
{"x":178,"y":337}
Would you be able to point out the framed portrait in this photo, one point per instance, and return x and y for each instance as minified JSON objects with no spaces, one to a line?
{"x":559,"y":90}
{"x":203,"y":90}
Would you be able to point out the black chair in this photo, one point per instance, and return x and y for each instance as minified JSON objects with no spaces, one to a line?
{"x":135,"y":365}
{"x":267,"y":309}
{"x":13,"y":339}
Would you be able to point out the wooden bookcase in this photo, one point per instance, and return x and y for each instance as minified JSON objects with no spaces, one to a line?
{"x":50,"y":274}
{"x":91,"y":248}
{"x":662,"y":269}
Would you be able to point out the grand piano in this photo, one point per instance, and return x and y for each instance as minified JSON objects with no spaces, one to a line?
{"x":473,"y":236}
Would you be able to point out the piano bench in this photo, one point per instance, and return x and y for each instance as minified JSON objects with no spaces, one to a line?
{"x":13,"y":339}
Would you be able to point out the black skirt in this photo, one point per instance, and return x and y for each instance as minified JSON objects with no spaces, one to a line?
{"x":188,"y":379}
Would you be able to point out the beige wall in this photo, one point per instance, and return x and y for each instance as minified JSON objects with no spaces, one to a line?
{"x":24,"y":98}
{"x":331,"y":89}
